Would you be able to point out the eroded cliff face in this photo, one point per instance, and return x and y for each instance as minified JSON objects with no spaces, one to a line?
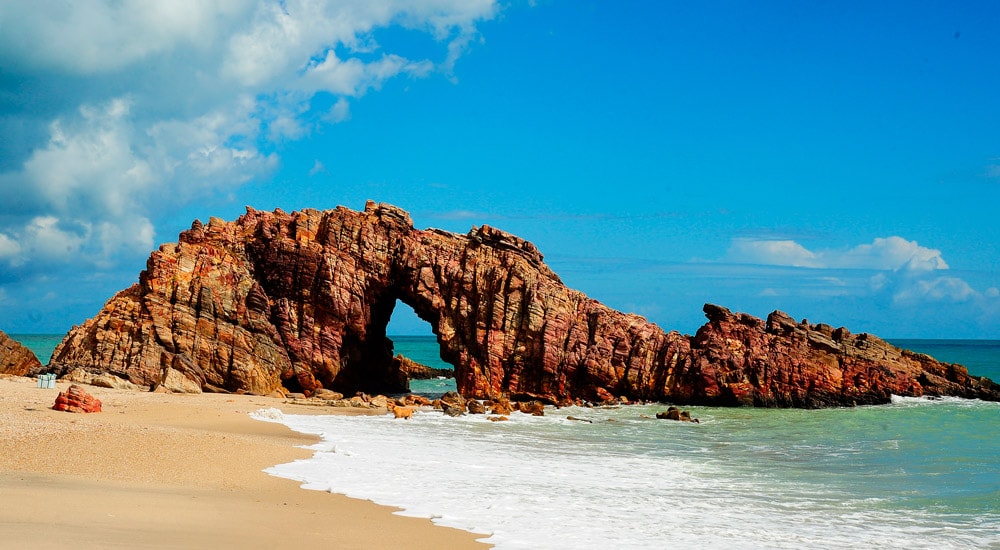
{"x":15,"y":359}
{"x":302,"y":300}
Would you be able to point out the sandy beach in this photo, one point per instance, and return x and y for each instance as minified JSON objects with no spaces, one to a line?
{"x":174,"y":471}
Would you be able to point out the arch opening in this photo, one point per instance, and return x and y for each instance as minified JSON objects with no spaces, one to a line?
{"x":398,"y":352}
{"x":416,"y":349}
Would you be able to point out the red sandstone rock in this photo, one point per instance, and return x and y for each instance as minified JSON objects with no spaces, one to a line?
{"x":501,"y":407}
{"x":417,"y":400}
{"x":419,"y":371}
{"x":302,"y":300}
{"x":534,"y":408}
{"x":76,"y":400}
{"x":15,"y":359}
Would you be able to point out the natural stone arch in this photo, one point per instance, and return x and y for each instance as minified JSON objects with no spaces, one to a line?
{"x":302,"y":300}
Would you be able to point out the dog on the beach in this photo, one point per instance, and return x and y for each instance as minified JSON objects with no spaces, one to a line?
{"x":401,"y":412}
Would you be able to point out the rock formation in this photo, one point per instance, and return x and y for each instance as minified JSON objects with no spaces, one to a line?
{"x":76,"y":400}
{"x":302,"y":300}
{"x":673,"y":413}
{"x":16,"y":359}
{"x":419,"y":371}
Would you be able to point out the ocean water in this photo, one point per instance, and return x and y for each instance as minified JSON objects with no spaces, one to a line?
{"x":42,"y":345}
{"x":913,"y":474}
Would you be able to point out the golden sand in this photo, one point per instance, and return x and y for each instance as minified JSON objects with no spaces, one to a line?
{"x":174,"y":471}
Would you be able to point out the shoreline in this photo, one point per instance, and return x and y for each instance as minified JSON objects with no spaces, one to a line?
{"x":160,"y":470}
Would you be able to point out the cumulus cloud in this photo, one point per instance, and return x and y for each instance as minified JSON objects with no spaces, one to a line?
{"x":119,"y":111}
{"x":904,"y":271}
{"x":783,"y":252}
{"x":936,"y":289}
{"x":889,"y":253}
{"x":93,"y":38}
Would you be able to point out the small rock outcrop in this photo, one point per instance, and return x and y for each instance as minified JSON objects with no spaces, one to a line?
{"x":419,"y":371}
{"x":76,"y":400}
{"x":501,"y":407}
{"x":673,"y":413}
{"x":16,"y":359}
{"x":534,"y":408}
{"x":300,"y":302}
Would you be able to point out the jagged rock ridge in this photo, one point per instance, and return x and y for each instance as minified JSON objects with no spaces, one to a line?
{"x":302,"y":300}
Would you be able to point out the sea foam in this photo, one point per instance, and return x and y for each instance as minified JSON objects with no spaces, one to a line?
{"x":627,"y":480}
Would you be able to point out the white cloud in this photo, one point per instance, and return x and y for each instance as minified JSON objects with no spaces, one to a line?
{"x":48,"y":238}
{"x":905,"y":272}
{"x":296,"y":40}
{"x":99,"y":172}
{"x":784,"y":252}
{"x":889,"y":253}
{"x":993,"y":292}
{"x":340,"y":111}
{"x":878,"y":281}
{"x":9,"y":248}
{"x":936,"y":289}
{"x":317,"y":168}
{"x":94,"y":38}
{"x":352,"y":77}
{"x":156,"y":104}
{"x":89,"y":162}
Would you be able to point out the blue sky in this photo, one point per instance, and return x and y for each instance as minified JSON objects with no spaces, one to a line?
{"x":838,"y":161}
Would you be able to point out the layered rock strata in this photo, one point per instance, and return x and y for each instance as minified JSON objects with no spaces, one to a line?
{"x":16,"y":359}
{"x":302,"y":300}
{"x":77,"y":400}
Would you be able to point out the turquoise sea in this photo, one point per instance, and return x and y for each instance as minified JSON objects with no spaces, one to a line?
{"x":916,"y":473}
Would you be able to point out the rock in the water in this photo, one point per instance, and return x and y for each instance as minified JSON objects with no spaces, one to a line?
{"x":75,"y":399}
{"x":501,"y":407}
{"x":453,"y":398}
{"x":301,"y":301}
{"x":534,"y":408}
{"x":417,"y":400}
{"x":475,"y":407}
{"x":17,"y":360}
{"x":673,"y":413}
{"x":419,"y":371}
{"x":452,"y":409}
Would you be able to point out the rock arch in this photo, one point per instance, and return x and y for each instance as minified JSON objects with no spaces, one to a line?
{"x":302,"y":300}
